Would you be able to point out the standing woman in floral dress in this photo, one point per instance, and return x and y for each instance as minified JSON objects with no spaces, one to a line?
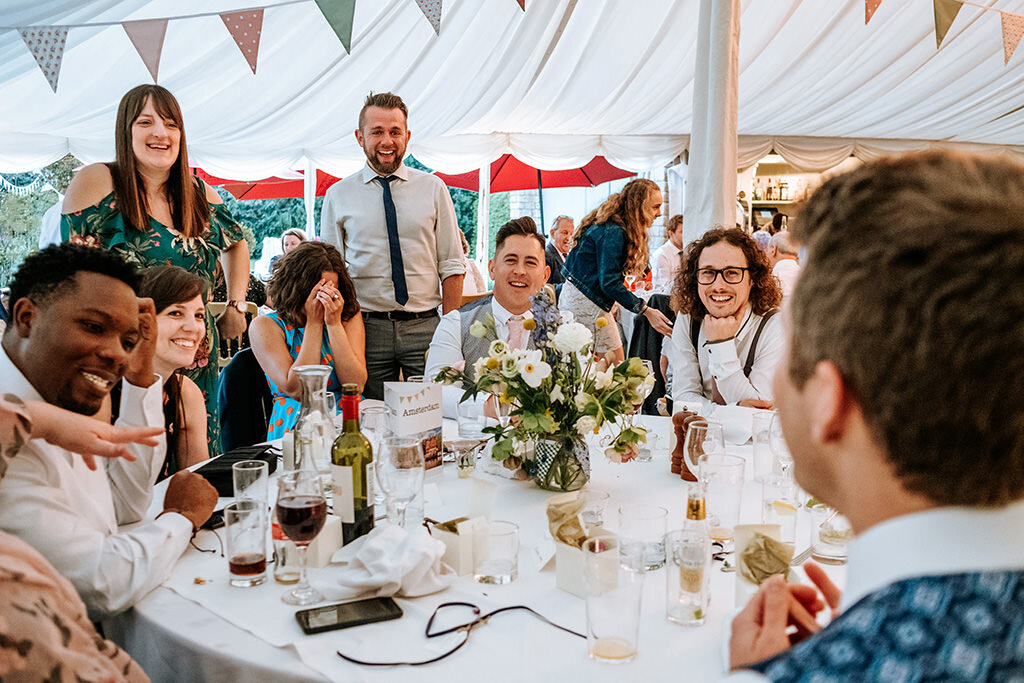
{"x":147,"y":206}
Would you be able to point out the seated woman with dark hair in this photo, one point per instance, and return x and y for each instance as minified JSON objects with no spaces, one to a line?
{"x":180,"y":300}
{"x":317,"y":321}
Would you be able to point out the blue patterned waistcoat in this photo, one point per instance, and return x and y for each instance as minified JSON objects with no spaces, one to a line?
{"x":957,"y":627}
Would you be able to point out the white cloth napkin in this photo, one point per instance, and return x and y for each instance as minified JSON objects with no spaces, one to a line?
{"x":387,"y":561}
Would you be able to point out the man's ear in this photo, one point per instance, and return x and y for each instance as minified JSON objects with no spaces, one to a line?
{"x":359,"y":137}
{"x":833,"y":403}
{"x":547,"y":275}
{"x":23,"y":315}
{"x":490,"y":268}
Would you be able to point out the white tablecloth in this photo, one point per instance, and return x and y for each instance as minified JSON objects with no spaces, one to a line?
{"x":179,"y":639}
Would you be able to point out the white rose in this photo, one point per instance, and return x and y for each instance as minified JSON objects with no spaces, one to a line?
{"x":498,"y":348}
{"x":586,"y":425}
{"x":477,"y":329}
{"x":571,"y":338}
{"x":509,"y":366}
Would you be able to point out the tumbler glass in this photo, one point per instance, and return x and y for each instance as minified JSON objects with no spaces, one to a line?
{"x":245,"y":523}
{"x":613,"y":577}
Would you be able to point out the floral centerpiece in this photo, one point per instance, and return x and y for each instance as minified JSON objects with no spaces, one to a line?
{"x":555,"y":395}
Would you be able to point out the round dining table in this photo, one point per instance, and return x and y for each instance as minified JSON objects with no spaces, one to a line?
{"x":196,"y":627}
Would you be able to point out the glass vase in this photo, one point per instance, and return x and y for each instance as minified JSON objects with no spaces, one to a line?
{"x":561,"y":463}
{"x":314,"y":427}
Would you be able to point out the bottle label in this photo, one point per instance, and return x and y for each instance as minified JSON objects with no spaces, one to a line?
{"x":343,"y":489}
{"x":371,"y":481}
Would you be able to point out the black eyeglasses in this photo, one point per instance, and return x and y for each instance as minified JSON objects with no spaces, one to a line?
{"x":731,"y":275}
{"x":465,"y":628}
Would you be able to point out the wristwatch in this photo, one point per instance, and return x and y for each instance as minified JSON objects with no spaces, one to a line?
{"x":237,"y":305}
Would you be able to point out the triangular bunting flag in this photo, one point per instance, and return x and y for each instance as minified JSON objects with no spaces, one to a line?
{"x":147,"y":36}
{"x":432,"y":11}
{"x":522,"y":4}
{"x":945,"y":13}
{"x":46,"y":43}
{"x":245,"y":28}
{"x":1013,"y":29}
{"x":338,"y":14}
{"x":870,"y":6}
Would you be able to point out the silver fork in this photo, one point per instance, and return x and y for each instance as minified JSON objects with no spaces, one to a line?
{"x":801,"y":558}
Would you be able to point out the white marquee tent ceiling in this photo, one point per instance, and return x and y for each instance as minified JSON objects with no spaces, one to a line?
{"x":556,"y":85}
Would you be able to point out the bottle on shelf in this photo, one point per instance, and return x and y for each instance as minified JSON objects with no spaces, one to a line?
{"x":352,"y":471}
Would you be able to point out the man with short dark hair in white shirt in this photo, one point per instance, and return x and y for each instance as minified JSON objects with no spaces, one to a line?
{"x":76,"y":329}
{"x":898,"y":395}
{"x":667,"y":258}
{"x":396,"y":228}
{"x":519,"y":271}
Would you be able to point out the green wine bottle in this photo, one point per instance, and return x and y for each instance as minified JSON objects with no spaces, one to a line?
{"x":352,"y":471}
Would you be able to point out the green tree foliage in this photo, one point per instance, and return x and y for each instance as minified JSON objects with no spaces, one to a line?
{"x":268,"y":217}
{"x":20,"y":223}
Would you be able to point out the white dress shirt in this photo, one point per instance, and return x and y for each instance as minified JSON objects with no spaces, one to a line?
{"x":950,"y":540}
{"x":70,"y":514}
{"x":787,"y":271}
{"x":446,"y":351}
{"x":352,"y":220}
{"x":724,"y":361}
{"x":665,"y":264}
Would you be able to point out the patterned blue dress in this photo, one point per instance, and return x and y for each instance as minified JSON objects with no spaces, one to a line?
{"x":286,"y":409}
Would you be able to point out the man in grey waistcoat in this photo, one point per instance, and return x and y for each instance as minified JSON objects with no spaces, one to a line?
{"x":519,"y":271}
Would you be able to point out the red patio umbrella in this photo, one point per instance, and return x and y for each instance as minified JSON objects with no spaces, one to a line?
{"x":509,"y":173}
{"x":269,"y":188}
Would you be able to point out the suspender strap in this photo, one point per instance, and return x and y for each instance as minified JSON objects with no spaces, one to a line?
{"x":748,"y":366}
{"x":694,"y":333}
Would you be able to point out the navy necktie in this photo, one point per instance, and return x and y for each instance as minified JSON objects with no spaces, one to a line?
{"x":391,"y":218}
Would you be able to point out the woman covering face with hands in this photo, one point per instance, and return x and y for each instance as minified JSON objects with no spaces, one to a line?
{"x":316,"y":323}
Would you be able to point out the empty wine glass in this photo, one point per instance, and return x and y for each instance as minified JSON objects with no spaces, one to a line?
{"x":778,"y":446}
{"x":400,"y":471}
{"x":702,"y":438}
{"x":301,"y":512}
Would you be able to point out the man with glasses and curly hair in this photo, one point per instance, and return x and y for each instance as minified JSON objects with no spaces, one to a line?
{"x":727,"y":339}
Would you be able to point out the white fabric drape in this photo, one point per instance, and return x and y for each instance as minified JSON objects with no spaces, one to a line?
{"x":554,"y":85}
{"x":711,"y":179}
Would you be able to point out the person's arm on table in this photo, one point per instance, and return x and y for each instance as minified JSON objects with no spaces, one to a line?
{"x":726,"y":366}
{"x":446,"y":351}
{"x":110,"y":569}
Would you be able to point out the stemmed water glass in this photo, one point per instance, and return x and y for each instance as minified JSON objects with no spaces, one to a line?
{"x":400,"y":471}
{"x":778,"y":446}
{"x":301,"y":512}
{"x":702,"y":438}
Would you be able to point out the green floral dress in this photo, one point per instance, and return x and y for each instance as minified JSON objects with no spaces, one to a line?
{"x":103,"y":225}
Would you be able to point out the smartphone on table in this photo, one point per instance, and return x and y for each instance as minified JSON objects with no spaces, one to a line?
{"x":347,"y":614}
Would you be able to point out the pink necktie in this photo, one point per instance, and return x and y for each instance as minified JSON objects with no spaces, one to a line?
{"x":515,"y":332}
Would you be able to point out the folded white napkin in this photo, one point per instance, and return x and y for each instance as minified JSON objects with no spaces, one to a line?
{"x":737,"y":422}
{"x":387,"y":561}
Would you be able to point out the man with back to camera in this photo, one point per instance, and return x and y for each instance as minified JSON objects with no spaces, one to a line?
{"x":518,"y":271}
{"x":76,"y":329}
{"x":558,"y":247}
{"x":899,"y":399}
{"x":396,"y":228}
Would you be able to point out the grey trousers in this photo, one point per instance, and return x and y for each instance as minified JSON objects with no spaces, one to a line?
{"x":393,"y":345}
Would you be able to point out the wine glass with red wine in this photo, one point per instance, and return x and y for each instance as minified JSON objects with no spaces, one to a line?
{"x":301,"y":512}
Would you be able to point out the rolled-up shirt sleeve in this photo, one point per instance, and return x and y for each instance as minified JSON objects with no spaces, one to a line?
{"x":449,"y":245}
{"x":131,"y":483}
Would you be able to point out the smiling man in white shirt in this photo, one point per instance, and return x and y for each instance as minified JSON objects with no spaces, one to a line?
{"x":76,"y":329}
{"x":899,"y":396}
{"x":519,"y":271}
{"x":396,"y":228}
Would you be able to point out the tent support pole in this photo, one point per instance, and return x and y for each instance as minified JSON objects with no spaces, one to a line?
{"x":540,"y":199}
{"x":483,"y":217}
{"x":711,"y":174}
{"x":309,"y":196}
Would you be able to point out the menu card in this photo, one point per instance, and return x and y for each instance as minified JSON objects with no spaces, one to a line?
{"x":415,"y":411}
